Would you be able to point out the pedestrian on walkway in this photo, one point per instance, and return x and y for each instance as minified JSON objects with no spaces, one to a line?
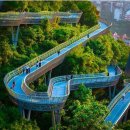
{"x":37,"y":64}
{"x":40,"y":63}
{"x":24,"y":68}
{"x":123,"y":96}
{"x":88,"y":35}
{"x":13,"y":85}
{"x":58,"y":52}
{"x":66,"y":77}
{"x":27,"y":67}
{"x":71,"y":77}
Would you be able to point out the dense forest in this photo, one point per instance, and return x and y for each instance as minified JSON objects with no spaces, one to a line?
{"x":82,"y":112}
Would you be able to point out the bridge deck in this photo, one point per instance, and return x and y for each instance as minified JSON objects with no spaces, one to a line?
{"x":119,"y":109}
{"x":19,"y":78}
{"x":59,"y":88}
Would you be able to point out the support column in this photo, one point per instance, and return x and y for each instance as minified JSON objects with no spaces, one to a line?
{"x":23,"y":113}
{"x":15,"y":36}
{"x":45,"y":79}
{"x":49,"y":76}
{"x":28,"y":115}
{"x":110,"y":93}
{"x":125,"y":116}
{"x":113,"y":93}
{"x":57,"y":116}
{"x":53,"y":120}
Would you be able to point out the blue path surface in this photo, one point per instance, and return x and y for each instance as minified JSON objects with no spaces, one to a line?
{"x":111,"y":71}
{"x":59,"y":89}
{"x":19,"y":78}
{"x":119,"y":109}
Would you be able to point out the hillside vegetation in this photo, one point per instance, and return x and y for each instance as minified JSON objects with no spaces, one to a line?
{"x":37,"y":39}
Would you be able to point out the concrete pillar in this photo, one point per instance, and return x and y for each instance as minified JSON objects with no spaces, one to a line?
{"x":125,"y":116}
{"x":23,"y":113}
{"x":53,"y":120}
{"x":57,"y":116}
{"x":45,"y":79}
{"x":110,"y":93}
{"x":49,"y":76}
{"x":28,"y":115}
{"x":113,"y":93}
{"x":15,"y":36}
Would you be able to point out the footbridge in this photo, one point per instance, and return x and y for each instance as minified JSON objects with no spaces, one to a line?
{"x":59,"y":87}
{"x":20,"y":18}
{"x":16,"y":19}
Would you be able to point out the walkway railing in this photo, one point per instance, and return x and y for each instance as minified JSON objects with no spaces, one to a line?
{"x":119,"y":95}
{"x":36,"y":14}
{"x":17,"y":18}
{"x":17,"y":71}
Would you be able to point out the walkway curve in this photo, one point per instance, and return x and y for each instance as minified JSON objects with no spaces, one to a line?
{"x":59,"y":88}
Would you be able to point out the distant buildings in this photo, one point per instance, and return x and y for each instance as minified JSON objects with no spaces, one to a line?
{"x":116,"y":10}
{"x":122,"y":37}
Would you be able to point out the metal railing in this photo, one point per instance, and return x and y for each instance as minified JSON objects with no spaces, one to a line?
{"x":17,"y":71}
{"x":52,"y":100}
{"x":23,"y":16}
{"x":119,"y":95}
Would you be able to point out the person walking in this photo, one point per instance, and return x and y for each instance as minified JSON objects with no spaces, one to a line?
{"x":66,"y":77}
{"x":40,"y":63}
{"x":71,"y":77}
{"x":24,"y":68}
{"x":58,"y":52}
{"x":27,"y":69}
{"x":37,"y":64}
{"x":123,"y":96}
{"x":13,"y":85}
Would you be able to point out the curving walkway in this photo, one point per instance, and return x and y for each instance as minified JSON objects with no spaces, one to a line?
{"x":59,"y":88}
{"x":19,"y":78}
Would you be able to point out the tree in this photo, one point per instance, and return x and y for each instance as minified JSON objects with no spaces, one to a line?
{"x":84,"y":112}
{"x":5,"y":52}
{"x":90,"y":14}
{"x":123,"y":126}
{"x":62,"y":34}
{"x":24,"y":125}
{"x":15,"y":5}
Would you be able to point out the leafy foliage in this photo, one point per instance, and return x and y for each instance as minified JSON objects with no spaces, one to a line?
{"x":84,"y":112}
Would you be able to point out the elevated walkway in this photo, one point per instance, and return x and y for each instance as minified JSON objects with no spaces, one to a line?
{"x":118,"y":106}
{"x":19,"y":18}
{"x":59,"y":87}
{"x":22,"y":94}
